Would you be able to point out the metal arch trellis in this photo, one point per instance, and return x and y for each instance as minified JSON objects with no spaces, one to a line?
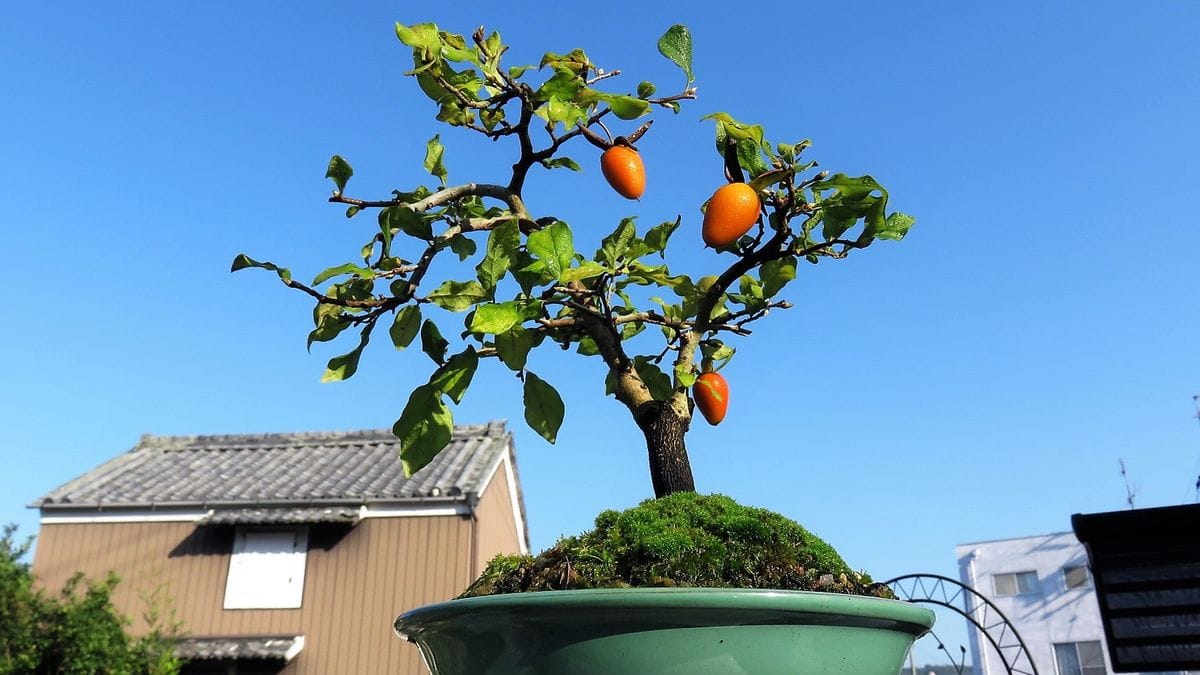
{"x":946,"y":592}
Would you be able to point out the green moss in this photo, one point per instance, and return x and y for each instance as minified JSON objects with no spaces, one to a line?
{"x":686,"y":540}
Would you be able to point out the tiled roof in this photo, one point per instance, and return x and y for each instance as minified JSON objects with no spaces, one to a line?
{"x":312,"y":469}
{"x":282,"y":515}
{"x":274,"y":648}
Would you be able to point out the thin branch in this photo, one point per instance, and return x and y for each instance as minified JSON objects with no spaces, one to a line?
{"x":447,"y":194}
{"x":750,"y":314}
{"x":603,"y":75}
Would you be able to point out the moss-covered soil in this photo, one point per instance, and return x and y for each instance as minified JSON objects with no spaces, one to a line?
{"x":685,"y":540}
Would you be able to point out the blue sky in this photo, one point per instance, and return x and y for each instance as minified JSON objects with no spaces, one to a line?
{"x":979,"y":380}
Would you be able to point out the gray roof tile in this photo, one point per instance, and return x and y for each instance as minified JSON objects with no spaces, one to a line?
{"x":235,"y":648}
{"x":282,"y":469}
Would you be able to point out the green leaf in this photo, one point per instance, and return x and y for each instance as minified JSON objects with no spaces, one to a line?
{"x":405,"y":220}
{"x":587,"y":270}
{"x":617,"y":244}
{"x":676,"y":45}
{"x":421,"y":37}
{"x":835,"y":220}
{"x":898,"y":224}
{"x":565,"y":162}
{"x":685,"y":375}
{"x":348,"y":268}
{"x":625,"y":107}
{"x":750,"y":287}
{"x":776,"y":274}
{"x":434,"y":156}
{"x":343,"y":367}
{"x":503,"y":241}
{"x":659,"y":275}
{"x":564,"y":112}
{"x":432,"y":342}
{"x":716,"y":351}
{"x":655,"y":379}
{"x":632,"y":328}
{"x":453,"y":378}
{"x":657,"y":237}
{"x":543,"y":407}
{"x":513,"y":345}
{"x":329,"y":323}
{"x":242,"y":261}
{"x":463,"y":246}
{"x":496,"y":318}
{"x":528,"y":271}
{"x":727,"y":128}
{"x":339,"y":170}
{"x":574,"y":62}
{"x":424,"y":428}
{"x":564,"y":85}
{"x":553,"y":248}
{"x":405,"y":327}
{"x":588,"y":347}
{"x":851,"y":187}
{"x":750,"y":158}
{"x":645,"y":89}
{"x":458,"y":296}
{"x":491,"y":117}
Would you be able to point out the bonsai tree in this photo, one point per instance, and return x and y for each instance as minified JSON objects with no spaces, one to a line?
{"x":519,"y":283}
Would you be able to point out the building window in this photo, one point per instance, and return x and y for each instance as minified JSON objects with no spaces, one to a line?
{"x":1077,"y":576}
{"x":266,"y":570}
{"x":1080,"y":658}
{"x":1015,"y":583}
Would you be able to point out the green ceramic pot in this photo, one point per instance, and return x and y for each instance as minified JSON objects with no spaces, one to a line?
{"x":665,"y":631}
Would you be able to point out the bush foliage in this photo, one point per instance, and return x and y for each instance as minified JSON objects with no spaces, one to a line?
{"x":77,"y":633}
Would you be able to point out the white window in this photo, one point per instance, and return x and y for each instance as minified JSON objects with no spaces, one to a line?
{"x":266,"y":570}
{"x":1080,"y":658}
{"x":1076,"y":576}
{"x":1015,"y":583}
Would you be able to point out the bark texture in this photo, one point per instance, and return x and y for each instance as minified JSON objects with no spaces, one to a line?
{"x":670,"y":470}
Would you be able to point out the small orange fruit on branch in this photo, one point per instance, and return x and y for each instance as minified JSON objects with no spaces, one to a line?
{"x":711,"y":393}
{"x":732,"y":211}
{"x":623,"y":169}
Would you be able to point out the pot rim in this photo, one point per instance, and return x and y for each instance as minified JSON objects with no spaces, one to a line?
{"x":906,"y":615}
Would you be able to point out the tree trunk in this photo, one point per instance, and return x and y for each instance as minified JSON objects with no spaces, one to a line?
{"x":670,"y":470}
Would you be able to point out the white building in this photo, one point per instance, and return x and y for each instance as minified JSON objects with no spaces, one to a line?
{"x":1042,"y":585}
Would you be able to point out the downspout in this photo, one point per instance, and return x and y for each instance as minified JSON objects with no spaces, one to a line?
{"x":977,"y":657}
{"x":473,"y":566}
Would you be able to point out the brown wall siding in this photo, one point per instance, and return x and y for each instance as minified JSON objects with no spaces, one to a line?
{"x":497,"y":528}
{"x":353,"y":588}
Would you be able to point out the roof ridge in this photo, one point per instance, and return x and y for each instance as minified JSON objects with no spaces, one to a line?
{"x":169,"y":441}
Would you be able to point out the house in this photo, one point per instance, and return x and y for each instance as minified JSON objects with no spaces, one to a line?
{"x":287,"y":553}
{"x":1043,"y":585}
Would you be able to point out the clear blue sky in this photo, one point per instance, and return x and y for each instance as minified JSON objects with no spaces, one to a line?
{"x":979,"y":380}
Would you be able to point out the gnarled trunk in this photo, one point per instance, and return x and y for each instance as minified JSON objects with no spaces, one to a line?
{"x":670,"y":470}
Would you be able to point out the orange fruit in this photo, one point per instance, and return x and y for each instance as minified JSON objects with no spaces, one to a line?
{"x":732,"y":211}
{"x":711,"y":392}
{"x":623,"y":169}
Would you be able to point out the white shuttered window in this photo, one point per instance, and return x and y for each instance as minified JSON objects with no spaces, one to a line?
{"x":266,"y":570}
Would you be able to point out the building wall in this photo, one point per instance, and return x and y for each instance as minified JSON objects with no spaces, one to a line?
{"x":356,"y":581}
{"x":1054,"y":614}
{"x":497,"y":529}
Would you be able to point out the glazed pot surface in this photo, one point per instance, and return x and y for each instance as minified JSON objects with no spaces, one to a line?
{"x":665,"y":631}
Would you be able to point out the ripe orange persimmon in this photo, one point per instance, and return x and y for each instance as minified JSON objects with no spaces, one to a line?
{"x":711,"y":392}
{"x":732,"y":211}
{"x":623,"y":169}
